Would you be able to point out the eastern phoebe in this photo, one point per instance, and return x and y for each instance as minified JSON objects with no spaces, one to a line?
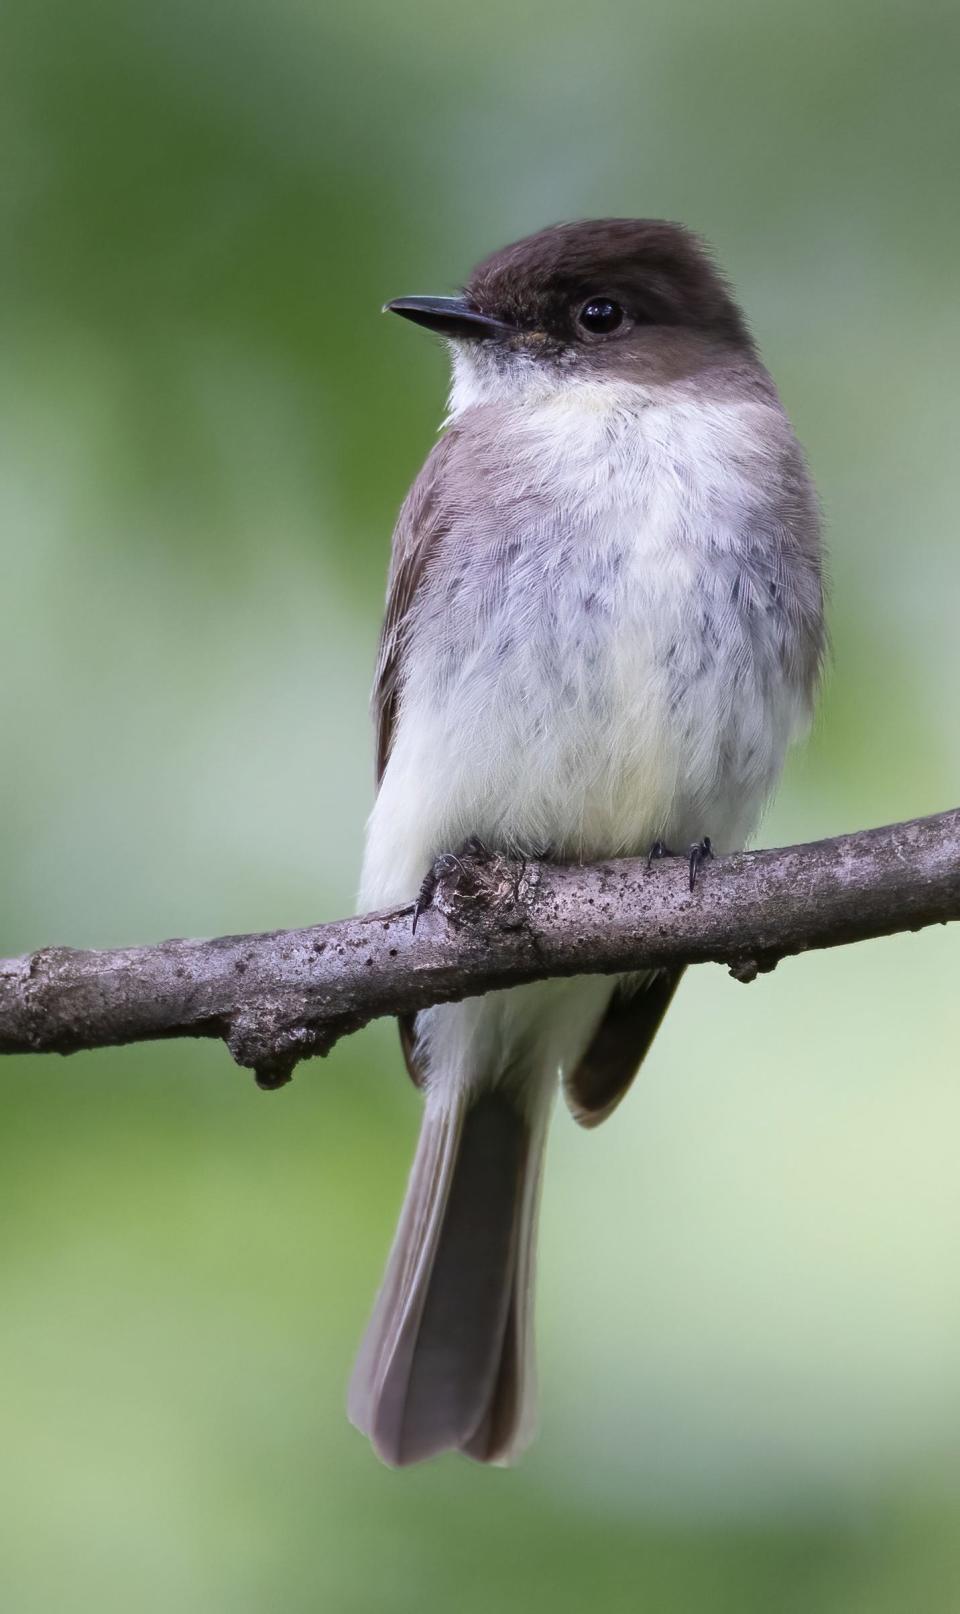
{"x":604,"y":625}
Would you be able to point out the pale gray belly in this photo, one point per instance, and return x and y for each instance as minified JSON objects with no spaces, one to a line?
{"x":589,"y":701}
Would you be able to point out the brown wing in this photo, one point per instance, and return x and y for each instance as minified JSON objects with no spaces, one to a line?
{"x":420,"y":526}
{"x":405,"y":1025}
{"x":619,"y":1047}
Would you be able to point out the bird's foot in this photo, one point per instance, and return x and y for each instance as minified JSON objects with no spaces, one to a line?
{"x":472,"y":847}
{"x":658,"y":850}
{"x":700,"y":852}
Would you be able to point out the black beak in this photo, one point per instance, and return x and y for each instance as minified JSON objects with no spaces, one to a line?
{"x":448,"y":316}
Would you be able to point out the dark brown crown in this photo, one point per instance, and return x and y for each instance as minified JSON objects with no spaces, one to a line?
{"x":661,"y":273}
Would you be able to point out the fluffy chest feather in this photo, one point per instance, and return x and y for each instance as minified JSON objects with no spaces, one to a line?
{"x":599,"y":652}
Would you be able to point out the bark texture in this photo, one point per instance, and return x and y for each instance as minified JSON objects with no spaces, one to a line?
{"x":283,"y":996}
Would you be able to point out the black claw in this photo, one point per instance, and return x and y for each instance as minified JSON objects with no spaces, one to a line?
{"x":700,"y":852}
{"x":428,"y":889}
{"x":658,"y":850}
{"x":447,"y":861}
{"x":424,"y":898}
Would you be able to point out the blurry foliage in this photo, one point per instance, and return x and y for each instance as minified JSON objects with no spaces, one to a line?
{"x":750,"y":1315}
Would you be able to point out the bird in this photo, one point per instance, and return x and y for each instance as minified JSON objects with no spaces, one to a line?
{"x":604,"y":626}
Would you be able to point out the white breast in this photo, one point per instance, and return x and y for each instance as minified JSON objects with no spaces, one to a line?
{"x":606,"y":676}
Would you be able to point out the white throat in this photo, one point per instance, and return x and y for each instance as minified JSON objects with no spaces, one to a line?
{"x":483,"y":373}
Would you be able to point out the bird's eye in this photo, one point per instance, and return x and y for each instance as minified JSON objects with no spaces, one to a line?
{"x":600,"y":315}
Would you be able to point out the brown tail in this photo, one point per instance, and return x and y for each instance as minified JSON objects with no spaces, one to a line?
{"x":446,"y":1363}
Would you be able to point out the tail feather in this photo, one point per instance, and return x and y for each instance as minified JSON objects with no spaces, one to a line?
{"x":510,"y":1422}
{"x":447,"y":1360}
{"x":413,"y":1246}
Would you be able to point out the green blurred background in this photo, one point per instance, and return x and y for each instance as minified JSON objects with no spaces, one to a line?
{"x":749,"y":1299}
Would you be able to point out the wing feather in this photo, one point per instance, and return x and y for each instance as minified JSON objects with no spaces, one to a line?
{"x":619,"y":1046}
{"x":420,"y":527}
{"x":421,"y":524}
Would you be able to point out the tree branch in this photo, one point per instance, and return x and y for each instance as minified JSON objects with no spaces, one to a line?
{"x":494,"y":921}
